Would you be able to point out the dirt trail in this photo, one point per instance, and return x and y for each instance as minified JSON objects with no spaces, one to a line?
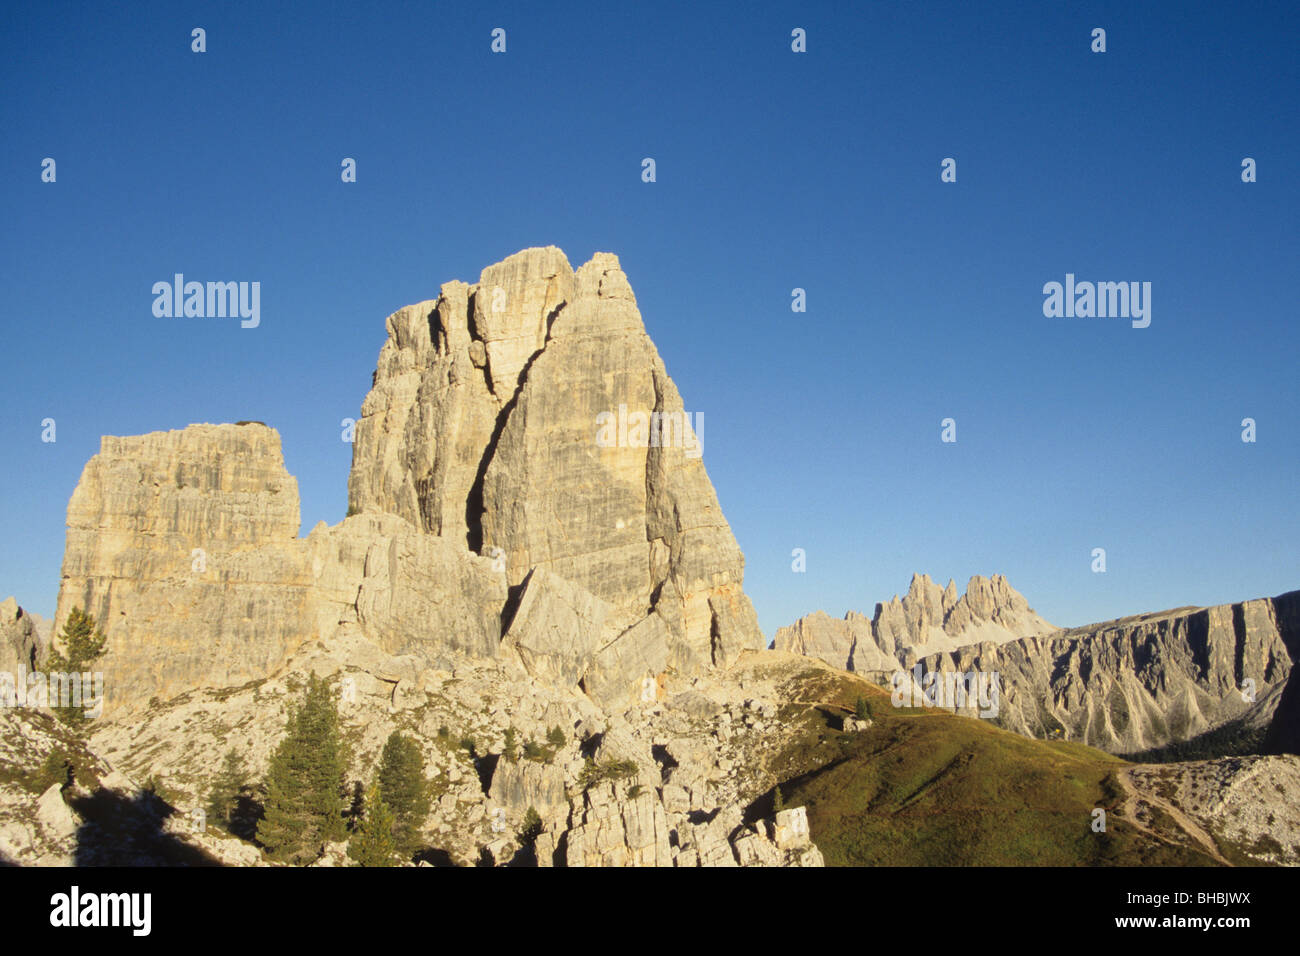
{"x":1132,"y":794}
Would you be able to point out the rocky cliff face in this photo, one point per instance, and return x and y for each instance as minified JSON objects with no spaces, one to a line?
{"x":184,"y":547}
{"x":926,"y":620}
{"x":1141,"y":683}
{"x":483,"y":425}
{"x":477,"y":469}
{"x":1283,"y":736}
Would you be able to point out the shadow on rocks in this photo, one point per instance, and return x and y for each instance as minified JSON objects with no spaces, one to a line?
{"x":118,"y":830}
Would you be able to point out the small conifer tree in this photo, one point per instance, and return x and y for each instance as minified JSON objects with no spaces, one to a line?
{"x":373,"y":843}
{"x":82,"y":644}
{"x":227,"y":788}
{"x":404,"y":789}
{"x":511,"y":748}
{"x":304,"y":798}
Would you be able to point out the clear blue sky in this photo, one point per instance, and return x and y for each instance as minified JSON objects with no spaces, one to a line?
{"x":775,"y":170}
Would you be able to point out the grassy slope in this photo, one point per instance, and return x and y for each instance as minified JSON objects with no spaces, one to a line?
{"x":923,"y":787}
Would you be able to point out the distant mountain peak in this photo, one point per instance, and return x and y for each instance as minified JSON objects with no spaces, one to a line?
{"x":927,"y":619}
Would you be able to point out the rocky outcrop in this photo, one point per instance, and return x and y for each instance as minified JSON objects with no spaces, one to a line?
{"x":556,"y":628}
{"x":21,"y":646}
{"x":63,"y":804}
{"x":184,"y":547}
{"x":1283,"y":736}
{"x":478,"y":468}
{"x":484,"y":425}
{"x":926,"y":620}
{"x":613,"y":828}
{"x":849,"y":643}
{"x":609,"y":788}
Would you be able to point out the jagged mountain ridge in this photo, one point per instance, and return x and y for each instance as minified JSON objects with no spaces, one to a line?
{"x":1132,"y":685}
{"x":926,"y":620}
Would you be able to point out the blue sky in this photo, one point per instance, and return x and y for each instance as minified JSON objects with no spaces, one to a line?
{"x":775,"y":170}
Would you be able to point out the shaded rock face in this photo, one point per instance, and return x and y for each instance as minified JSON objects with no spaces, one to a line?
{"x":1283,"y":736}
{"x":927,"y":619}
{"x":482,"y":425}
{"x":184,"y":547}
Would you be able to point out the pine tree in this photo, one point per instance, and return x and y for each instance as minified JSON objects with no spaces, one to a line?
{"x":82,"y":644}
{"x":404,"y":788}
{"x":778,"y":801}
{"x":510,"y":750}
{"x":373,"y":843}
{"x":555,"y":737}
{"x":304,"y":790}
{"x":227,"y":788}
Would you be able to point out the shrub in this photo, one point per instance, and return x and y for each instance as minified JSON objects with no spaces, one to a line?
{"x":534,"y":751}
{"x":56,"y":768}
{"x":531,"y":829}
{"x":594,"y":773}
